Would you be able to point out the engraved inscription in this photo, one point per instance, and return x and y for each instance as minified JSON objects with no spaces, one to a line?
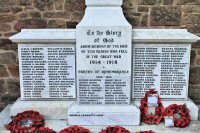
{"x":104,"y":65}
{"x":162,"y":68}
{"x":47,"y":72}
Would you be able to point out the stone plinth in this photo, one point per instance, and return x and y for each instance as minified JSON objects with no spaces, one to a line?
{"x":58,"y":125}
{"x":52,"y":110}
{"x":103,"y":115}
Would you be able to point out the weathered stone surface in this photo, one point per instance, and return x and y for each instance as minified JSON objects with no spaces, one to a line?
{"x":9,"y":34}
{"x":7,"y":2}
{"x":191,"y":19}
{"x":130,"y":4}
{"x":5,"y":27}
{"x":3,"y":71}
{"x":2,"y":106}
{"x":133,"y":17}
{"x":4,"y":9}
{"x":7,"y":18}
{"x":193,"y":28}
{"x":13,"y":69}
{"x":24,"y":2}
{"x":23,"y":15}
{"x":57,"y":14}
{"x":71,"y":24}
{"x":29,"y":8}
{"x":5,"y":42}
{"x":194,"y":75}
{"x":44,"y":5}
{"x":30,"y":23}
{"x":35,"y":14}
{"x":149,"y":2}
{"x":192,"y":57}
{"x":76,"y":16}
{"x":2,"y":85}
{"x":197,"y":61}
{"x":167,"y":2}
{"x":13,"y":86}
{"x":187,"y":2}
{"x":142,"y":8}
{"x":194,"y":92}
{"x":72,"y":5}
{"x":58,"y":23}
{"x":165,"y":16}
{"x":8,"y":57}
{"x":16,"y":9}
{"x":144,"y":21}
{"x":59,"y":4}
{"x":8,"y":98}
{"x":191,"y":9}
{"x":196,"y":45}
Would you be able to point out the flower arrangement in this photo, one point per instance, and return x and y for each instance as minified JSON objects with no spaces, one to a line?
{"x":182,"y":111}
{"x":26,"y":121}
{"x":75,"y":129}
{"x":151,"y":118}
{"x":116,"y":129}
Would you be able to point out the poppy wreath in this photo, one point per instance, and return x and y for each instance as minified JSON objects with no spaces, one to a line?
{"x":75,"y":129}
{"x":43,"y":130}
{"x":116,"y":129}
{"x":159,"y":111}
{"x":183,"y":111}
{"x":146,"y":131}
{"x":36,"y":119}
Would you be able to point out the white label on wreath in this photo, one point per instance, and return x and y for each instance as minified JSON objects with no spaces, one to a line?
{"x":152,"y":110}
{"x":169,"y":121}
{"x":152,"y":101}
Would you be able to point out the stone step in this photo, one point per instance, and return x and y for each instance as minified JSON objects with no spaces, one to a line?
{"x":61,"y":124}
{"x":53,"y":110}
{"x":96,"y":115}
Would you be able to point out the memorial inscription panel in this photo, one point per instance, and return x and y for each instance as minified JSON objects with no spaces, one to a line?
{"x":47,"y":72}
{"x":161,"y":67}
{"x":104,"y":65}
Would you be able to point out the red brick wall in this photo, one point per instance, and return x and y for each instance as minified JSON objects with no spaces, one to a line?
{"x":18,"y":14}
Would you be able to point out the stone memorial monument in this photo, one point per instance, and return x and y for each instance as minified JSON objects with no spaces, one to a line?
{"x":96,"y":74}
{"x":104,"y":59}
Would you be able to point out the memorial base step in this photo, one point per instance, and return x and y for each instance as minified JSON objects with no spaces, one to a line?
{"x":58,"y":125}
{"x":190,"y":104}
{"x":52,"y":110}
{"x":103,"y":115}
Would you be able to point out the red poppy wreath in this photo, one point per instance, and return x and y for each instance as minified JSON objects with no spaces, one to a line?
{"x":75,"y":129}
{"x":116,"y":129}
{"x":159,"y":110}
{"x":27,"y":121}
{"x":146,"y":131}
{"x":182,"y":111}
{"x":43,"y":130}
